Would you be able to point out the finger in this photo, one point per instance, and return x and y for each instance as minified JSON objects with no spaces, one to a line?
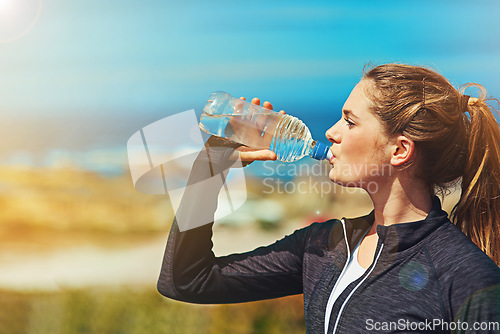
{"x":256,"y":101}
{"x":242,"y":98}
{"x":282,"y":112}
{"x":257,"y":155}
{"x":267,"y":105}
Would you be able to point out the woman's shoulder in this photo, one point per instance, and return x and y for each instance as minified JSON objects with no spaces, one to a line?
{"x":455,"y":257}
{"x":318,"y":234}
{"x":469,"y":280}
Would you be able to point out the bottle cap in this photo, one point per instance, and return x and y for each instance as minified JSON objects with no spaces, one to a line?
{"x":320,"y":151}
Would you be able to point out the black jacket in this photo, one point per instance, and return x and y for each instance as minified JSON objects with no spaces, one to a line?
{"x":427,"y":276}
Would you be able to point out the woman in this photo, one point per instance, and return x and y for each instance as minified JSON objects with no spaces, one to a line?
{"x":405,"y":134}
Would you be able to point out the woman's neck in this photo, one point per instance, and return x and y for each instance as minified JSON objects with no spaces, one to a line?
{"x":401,"y":202}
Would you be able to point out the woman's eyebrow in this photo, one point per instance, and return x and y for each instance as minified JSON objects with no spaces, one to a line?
{"x":349,"y":113}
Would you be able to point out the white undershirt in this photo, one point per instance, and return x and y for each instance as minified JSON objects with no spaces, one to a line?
{"x":352,"y":272}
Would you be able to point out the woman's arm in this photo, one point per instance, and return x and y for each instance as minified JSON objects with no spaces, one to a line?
{"x":192,"y":273}
{"x":190,"y":270}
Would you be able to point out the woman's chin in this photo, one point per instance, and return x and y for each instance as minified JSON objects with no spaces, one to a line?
{"x":345,"y":183}
{"x":338,"y":180}
{"x":335,"y":178}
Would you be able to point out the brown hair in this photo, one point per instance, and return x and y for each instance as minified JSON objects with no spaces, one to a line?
{"x":457,"y":138}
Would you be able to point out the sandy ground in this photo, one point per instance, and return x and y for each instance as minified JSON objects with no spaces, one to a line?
{"x":82,"y":263}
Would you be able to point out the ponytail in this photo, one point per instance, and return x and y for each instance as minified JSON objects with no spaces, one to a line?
{"x":477,"y":212}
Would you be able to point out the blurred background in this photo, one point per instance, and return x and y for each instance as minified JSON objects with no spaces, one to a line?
{"x":80,"y":249}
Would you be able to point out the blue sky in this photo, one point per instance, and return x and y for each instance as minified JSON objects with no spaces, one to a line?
{"x":89,"y":73}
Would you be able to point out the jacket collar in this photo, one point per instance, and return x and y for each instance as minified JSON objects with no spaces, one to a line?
{"x":401,"y":236}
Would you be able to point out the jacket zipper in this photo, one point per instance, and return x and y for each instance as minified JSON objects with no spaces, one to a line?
{"x":355,"y":288}
{"x":329,"y":304}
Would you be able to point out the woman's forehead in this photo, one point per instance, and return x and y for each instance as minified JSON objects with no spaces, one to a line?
{"x":357,"y":102}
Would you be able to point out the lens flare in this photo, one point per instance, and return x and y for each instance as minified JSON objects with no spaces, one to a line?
{"x":4,"y":5}
{"x":17,"y":18}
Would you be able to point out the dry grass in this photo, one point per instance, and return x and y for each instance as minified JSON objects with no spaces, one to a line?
{"x":65,"y":200}
{"x":133,"y":311}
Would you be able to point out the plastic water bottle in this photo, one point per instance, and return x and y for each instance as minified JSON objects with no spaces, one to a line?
{"x":260,"y":128}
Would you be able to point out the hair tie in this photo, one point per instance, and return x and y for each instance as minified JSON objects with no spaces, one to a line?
{"x":466,"y":101}
{"x":472,"y":101}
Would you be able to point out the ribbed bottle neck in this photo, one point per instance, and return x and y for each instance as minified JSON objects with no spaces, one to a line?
{"x":310,"y":147}
{"x":291,"y":140}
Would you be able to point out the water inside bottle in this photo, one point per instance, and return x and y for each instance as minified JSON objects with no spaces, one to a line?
{"x":286,"y":135}
{"x":255,"y":130}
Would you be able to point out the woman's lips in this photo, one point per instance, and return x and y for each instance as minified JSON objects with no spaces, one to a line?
{"x":333,"y":157}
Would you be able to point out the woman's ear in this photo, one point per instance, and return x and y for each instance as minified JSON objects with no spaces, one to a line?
{"x":403,"y":151}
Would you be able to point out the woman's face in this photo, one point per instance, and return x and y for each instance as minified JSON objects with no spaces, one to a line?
{"x":361,"y":149}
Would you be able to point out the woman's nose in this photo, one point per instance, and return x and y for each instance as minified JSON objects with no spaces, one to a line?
{"x":333,"y":135}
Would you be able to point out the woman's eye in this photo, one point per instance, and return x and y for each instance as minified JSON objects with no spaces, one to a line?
{"x":349,"y":123}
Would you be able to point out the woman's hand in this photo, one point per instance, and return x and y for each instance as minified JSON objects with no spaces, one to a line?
{"x":247,"y":154}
